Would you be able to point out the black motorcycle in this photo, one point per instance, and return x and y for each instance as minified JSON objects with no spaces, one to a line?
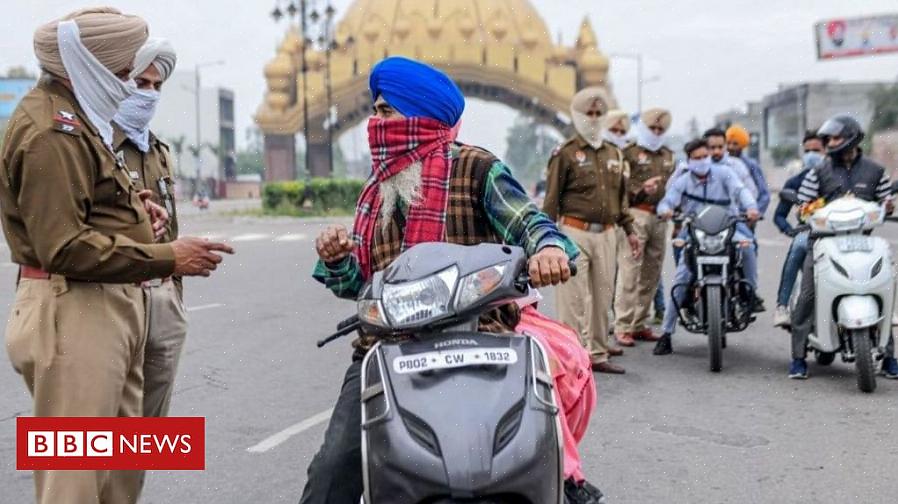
{"x":719,"y":299}
{"x":449,"y":414}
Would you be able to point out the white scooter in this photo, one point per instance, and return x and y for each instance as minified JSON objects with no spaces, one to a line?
{"x":854,"y":281}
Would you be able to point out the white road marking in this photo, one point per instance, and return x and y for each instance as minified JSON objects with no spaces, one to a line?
{"x":276,"y":439}
{"x":291,"y":237}
{"x":213,"y":236}
{"x":249,"y":237}
{"x":205,"y":307}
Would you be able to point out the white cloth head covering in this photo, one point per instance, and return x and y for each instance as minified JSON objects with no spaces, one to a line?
{"x":157,"y":52}
{"x":98,"y":91}
{"x":589,"y":128}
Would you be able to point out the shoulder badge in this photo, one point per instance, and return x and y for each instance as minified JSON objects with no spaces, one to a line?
{"x":66,"y":122}
{"x":580,"y":156}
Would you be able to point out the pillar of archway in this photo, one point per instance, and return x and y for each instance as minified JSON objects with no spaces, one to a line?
{"x":499,"y":51}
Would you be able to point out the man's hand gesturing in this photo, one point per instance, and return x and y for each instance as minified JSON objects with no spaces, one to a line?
{"x":334,"y":244}
{"x":196,"y":256}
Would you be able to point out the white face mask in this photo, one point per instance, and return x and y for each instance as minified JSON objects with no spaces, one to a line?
{"x":648,"y":140}
{"x":700,"y":167}
{"x":98,"y":91}
{"x":134,"y":116}
{"x":590,"y":128}
{"x":617,"y":139}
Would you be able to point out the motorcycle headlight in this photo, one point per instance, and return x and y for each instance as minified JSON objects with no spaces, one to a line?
{"x":847,"y":221}
{"x":478,"y":285}
{"x":711,"y":243}
{"x":421,"y":301}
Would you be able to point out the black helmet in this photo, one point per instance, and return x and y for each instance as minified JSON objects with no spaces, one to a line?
{"x":841,"y":126}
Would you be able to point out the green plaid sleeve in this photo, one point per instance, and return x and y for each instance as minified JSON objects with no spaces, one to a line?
{"x":517,"y":219}
{"x":344,"y":279}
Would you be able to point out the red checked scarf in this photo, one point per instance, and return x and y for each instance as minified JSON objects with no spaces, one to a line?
{"x":395,"y":145}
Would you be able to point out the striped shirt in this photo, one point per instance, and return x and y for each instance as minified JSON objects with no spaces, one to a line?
{"x":810,"y":186}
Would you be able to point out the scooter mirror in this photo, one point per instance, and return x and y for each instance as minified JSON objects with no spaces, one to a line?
{"x":789,"y":196}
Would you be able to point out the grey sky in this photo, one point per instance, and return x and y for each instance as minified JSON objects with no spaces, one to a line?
{"x":711,"y":55}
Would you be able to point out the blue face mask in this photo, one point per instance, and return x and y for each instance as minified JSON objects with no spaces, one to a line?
{"x":699,"y":167}
{"x":812,"y":159}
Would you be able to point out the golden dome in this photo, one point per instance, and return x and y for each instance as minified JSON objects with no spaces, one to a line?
{"x":280,"y":66}
{"x":593,"y":60}
{"x":448,"y":22}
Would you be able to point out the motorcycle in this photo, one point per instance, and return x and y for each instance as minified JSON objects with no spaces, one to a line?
{"x":450,"y":414}
{"x":854,"y":282}
{"x":718,"y":300}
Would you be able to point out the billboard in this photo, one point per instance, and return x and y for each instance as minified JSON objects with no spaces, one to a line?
{"x":842,"y":38}
{"x":11,"y":91}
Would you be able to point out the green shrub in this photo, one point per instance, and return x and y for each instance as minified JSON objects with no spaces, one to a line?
{"x":326,"y":196}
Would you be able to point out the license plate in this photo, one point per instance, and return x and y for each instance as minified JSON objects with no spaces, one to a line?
{"x":713,"y":260}
{"x":447,"y":359}
{"x":855,"y":244}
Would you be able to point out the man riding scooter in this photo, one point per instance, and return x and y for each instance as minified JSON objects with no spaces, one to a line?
{"x":424,"y":187}
{"x":812,"y":156}
{"x":845,"y":171}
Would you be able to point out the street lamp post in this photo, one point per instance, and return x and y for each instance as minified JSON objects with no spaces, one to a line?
{"x":639,"y":80}
{"x":198,"y":154}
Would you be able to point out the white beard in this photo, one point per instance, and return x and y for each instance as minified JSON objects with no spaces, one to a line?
{"x":590,"y":129}
{"x":405,"y":186}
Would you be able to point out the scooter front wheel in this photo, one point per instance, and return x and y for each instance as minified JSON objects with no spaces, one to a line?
{"x":863,"y":363}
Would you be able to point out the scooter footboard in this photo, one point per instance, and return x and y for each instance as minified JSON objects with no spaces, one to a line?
{"x":858,"y":312}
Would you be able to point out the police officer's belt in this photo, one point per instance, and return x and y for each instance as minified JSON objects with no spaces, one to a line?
{"x":582,"y":225}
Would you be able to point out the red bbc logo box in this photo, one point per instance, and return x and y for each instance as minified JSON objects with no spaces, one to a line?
{"x":91,"y":443}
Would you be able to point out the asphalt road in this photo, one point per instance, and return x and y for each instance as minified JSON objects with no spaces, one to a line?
{"x":667,"y":431}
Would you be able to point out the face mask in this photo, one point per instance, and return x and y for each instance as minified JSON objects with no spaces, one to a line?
{"x":700,"y":167}
{"x":648,"y":140}
{"x":134,"y":116}
{"x":616,"y":139}
{"x":812,"y":159}
{"x":590,"y":128}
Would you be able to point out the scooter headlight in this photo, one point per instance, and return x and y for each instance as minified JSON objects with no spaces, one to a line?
{"x":421,"y":301}
{"x":711,"y":243}
{"x":478,"y":285}
{"x":371,"y":311}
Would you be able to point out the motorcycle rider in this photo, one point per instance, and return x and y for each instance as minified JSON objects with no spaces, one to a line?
{"x":706,"y":183}
{"x":423,"y":188}
{"x":812,"y":147}
{"x":845,"y":171}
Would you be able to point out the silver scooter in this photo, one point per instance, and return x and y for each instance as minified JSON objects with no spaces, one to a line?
{"x":854,"y":283}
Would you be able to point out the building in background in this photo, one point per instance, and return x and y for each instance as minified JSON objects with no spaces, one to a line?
{"x":176,"y":123}
{"x":11,"y":91}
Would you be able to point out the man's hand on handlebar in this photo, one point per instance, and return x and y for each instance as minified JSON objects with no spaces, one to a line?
{"x":549,"y":266}
{"x":752,"y":215}
{"x":334,"y":244}
{"x":666,"y":215}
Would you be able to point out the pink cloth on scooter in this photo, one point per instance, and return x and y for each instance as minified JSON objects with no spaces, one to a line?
{"x":575,"y":388}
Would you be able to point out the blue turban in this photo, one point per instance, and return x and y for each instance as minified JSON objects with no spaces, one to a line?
{"x":417,"y":90}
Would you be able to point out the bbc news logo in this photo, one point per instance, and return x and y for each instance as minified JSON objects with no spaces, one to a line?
{"x":91,"y":443}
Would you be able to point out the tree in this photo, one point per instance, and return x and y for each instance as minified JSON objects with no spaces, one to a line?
{"x":177,"y":146}
{"x":250,"y":163}
{"x":19,"y":72}
{"x":885,"y":108}
{"x":529,"y":146}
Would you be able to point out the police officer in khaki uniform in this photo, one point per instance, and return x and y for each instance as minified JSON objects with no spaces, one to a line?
{"x":84,"y":241}
{"x":149,"y":162}
{"x":651,"y":165}
{"x":586,"y":192}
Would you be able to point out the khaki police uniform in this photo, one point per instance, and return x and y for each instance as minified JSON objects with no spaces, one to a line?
{"x":586,"y":192}
{"x":75,"y":225}
{"x":637,"y":279}
{"x":167,"y":318}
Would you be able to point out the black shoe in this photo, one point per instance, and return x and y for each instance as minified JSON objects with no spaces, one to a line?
{"x":581,"y":493}
{"x":758,"y":306}
{"x":663,"y":346}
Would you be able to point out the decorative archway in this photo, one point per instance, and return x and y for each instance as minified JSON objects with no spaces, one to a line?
{"x":498,"y":50}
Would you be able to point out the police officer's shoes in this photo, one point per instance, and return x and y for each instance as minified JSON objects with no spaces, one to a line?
{"x":582,"y":493}
{"x":890,"y":368}
{"x":798,"y":370}
{"x":663,"y":346}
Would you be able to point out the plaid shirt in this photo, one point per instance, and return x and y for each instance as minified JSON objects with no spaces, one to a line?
{"x":514,"y":217}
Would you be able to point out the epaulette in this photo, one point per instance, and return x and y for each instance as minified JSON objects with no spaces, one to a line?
{"x":67,"y":122}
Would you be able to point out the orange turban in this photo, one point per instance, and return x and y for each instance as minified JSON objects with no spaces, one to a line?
{"x":738,"y":134}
